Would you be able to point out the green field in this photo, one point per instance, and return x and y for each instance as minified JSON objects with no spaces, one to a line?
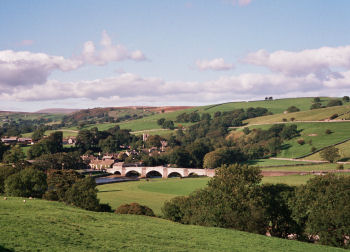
{"x":275,"y":106}
{"x":314,"y":132}
{"x":318,"y":167}
{"x":39,"y":225}
{"x":290,"y":180}
{"x":344,"y":151}
{"x":152,"y":193}
{"x":273,"y":162}
{"x":309,"y":115}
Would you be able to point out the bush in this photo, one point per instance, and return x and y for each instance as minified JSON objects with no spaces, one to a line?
{"x":105,"y":208}
{"x":292,"y":119}
{"x":301,"y":141}
{"x":340,"y":167}
{"x":333,"y":116}
{"x":333,"y":103}
{"x":292,"y":109}
{"x":328,"y":131}
{"x":316,"y":105}
{"x":313,"y":149}
{"x":284,"y":120}
{"x":134,"y":208}
{"x":26,"y":183}
{"x":317,"y":99}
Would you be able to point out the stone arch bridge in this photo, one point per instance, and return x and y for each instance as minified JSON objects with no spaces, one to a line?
{"x":165,"y":172}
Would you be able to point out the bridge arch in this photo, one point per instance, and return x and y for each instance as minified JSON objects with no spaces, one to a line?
{"x":174,"y":175}
{"x":153,"y":174}
{"x":132,"y":173}
{"x":193,"y":174}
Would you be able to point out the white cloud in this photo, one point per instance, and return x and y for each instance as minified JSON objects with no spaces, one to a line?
{"x":323,"y":62}
{"x":131,"y":89}
{"x":26,"y":68}
{"x":108,"y":52}
{"x":217,"y":64}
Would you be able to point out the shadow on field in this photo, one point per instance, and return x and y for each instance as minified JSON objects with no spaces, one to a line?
{"x":285,"y":146}
{"x":107,"y":191}
{"x":5,"y":249}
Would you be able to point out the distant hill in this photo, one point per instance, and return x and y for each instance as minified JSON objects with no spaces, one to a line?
{"x":57,"y":111}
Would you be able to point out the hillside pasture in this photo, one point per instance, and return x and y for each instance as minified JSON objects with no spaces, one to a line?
{"x":314,"y":132}
{"x":53,"y":226}
{"x":344,"y":151}
{"x":309,"y":115}
{"x":275,"y":106}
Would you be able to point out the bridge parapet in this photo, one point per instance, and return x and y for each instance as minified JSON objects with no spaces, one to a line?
{"x":164,"y":171}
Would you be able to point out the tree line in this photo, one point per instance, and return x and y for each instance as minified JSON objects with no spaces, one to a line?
{"x":318,"y":211}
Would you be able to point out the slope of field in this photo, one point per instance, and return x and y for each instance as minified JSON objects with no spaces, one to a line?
{"x":314,"y":135}
{"x":275,"y":106}
{"x":309,"y":115}
{"x":52,"y":226}
{"x":344,"y":151}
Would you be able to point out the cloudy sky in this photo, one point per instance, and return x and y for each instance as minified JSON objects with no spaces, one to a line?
{"x":84,"y":54}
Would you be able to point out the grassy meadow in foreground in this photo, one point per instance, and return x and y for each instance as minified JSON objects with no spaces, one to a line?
{"x":40,"y":225}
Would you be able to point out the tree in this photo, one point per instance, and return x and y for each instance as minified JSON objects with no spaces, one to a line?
{"x":13,"y":155}
{"x":333,"y":103}
{"x":317,"y":99}
{"x":5,"y":172}
{"x":277,"y":211}
{"x":292,"y":109}
{"x":50,"y":145}
{"x":83,"y":194}
{"x":346,"y":99}
{"x":316,"y":105}
{"x":38,"y":134}
{"x":60,"y":161}
{"x":330,"y":154}
{"x":168,"y":124}
{"x":222,"y":156}
{"x":160,"y":121}
{"x":180,"y":157}
{"x":26,"y":183}
{"x":59,"y":182}
{"x":321,"y":207}
{"x":233,"y":199}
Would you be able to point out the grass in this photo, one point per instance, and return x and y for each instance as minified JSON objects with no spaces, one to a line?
{"x":314,"y":132}
{"x":275,"y":106}
{"x":269,"y":162}
{"x":290,"y":180}
{"x":344,"y":151}
{"x":318,"y":167}
{"x":309,"y":115}
{"x":152,"y":193}
{"x":52,"y":226}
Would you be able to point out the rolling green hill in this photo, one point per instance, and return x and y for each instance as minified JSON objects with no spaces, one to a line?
{"x":309,"y":115}
{"x":344,"y":151}
{"x":314,"y":135}
{"x":39,"y":225}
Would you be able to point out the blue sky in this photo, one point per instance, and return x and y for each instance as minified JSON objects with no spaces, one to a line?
{"x":170,"y":52}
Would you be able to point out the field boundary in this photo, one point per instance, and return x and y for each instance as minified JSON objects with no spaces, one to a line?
{"x":344,"y":141}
